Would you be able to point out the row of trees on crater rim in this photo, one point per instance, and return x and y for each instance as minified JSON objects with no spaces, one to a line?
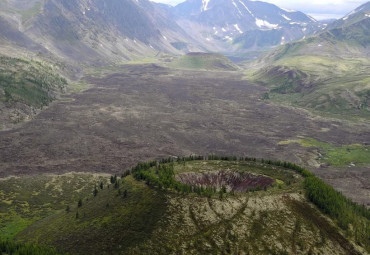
{"x":350,"y":216}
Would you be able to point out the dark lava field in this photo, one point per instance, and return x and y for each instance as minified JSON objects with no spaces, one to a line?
{"x":147,"y":112}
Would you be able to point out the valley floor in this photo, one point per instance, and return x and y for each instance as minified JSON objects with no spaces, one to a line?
{"x":147,"y":111}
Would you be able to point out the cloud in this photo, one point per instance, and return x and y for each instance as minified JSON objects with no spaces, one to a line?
{"x":325,"y":16}
{"x":317,"y":8}
{"x":334,"y":7}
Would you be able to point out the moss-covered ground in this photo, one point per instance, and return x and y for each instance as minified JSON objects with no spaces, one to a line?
{"x":336,"y":155}
{"x":25,"y":200}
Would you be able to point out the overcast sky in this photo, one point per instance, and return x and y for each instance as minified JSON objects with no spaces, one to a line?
{"x":319,"y":9}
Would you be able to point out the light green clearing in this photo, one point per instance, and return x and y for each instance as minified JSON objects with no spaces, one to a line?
{"x":336,"y":155}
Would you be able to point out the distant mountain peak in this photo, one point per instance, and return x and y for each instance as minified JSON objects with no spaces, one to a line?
{"x":92,"y":31}
{"x":219,"y":23}
{"x":95,"y":30}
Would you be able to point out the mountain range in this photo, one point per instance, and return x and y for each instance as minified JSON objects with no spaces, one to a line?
{"x":102,"y":31}
{"x":90,"y":31}
{"x":241,"y":24}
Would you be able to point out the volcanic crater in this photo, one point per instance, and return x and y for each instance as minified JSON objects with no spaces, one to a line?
{"x":231,"y":180}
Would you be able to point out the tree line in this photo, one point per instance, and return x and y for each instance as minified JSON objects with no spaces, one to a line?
{"x":164,"y":177}
{"x":350,"y":216}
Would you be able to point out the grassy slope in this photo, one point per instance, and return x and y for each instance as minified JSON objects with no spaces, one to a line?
{"x":28,"y":199}
{"x":107,"y":223}
{"x":334,"y":74}
{"x":338,"y":86}
{"x":148,"y":221}
{"x":203,"y":61}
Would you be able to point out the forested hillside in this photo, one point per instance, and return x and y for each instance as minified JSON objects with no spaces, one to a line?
{"x":25,"y":88}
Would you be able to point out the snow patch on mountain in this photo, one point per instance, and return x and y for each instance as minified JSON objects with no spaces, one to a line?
{"x":265,"y":24}
{"x":205,"y":5}
{"x":282,"y":40}
{"x":246,"y":8}
{"x":236,"y":6}
{"x":287,"y":10}
{"x":349,"y":14}
{"x":285,"y":17}
{"x":237,"y":28}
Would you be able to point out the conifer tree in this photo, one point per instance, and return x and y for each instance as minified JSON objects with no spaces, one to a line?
{"x":95,"y":192}
{"x":79,"y":204}
{"x":116,"y":185}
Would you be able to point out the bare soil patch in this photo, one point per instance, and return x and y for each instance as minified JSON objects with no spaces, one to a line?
{"x":231,"y":180}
